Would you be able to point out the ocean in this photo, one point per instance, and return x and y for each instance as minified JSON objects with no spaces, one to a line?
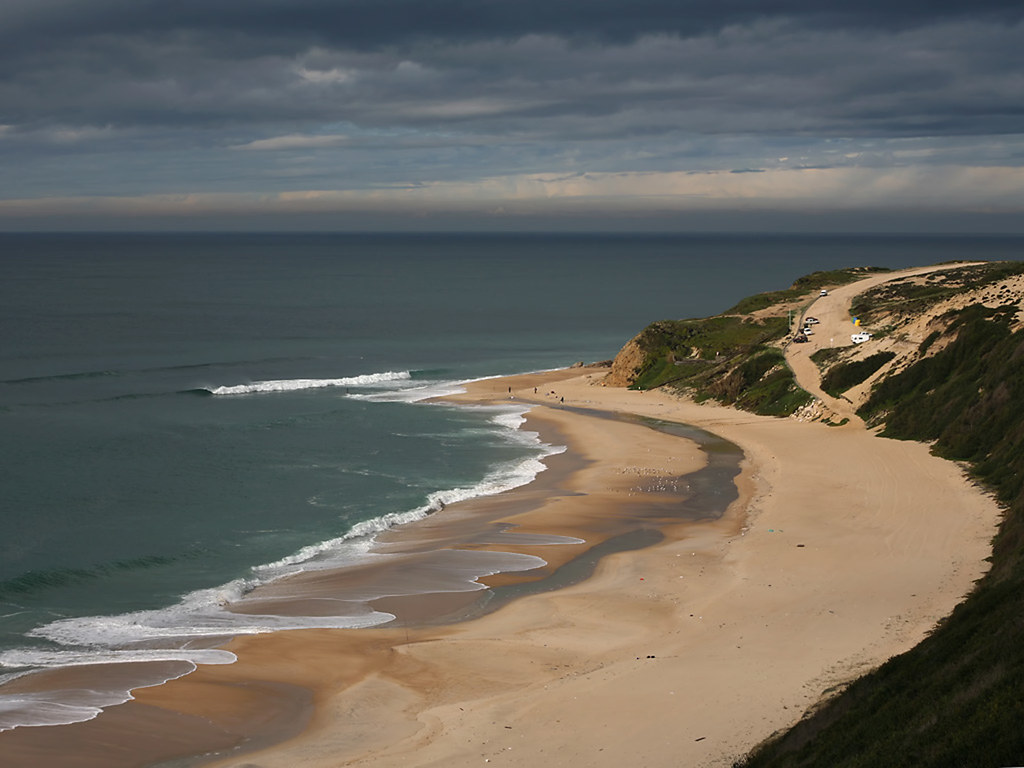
{"x":184,"y":417}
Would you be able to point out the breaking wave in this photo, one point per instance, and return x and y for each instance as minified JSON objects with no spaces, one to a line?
{"x":295,"y":385}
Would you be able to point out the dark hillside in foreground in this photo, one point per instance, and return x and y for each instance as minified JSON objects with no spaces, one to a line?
{"x":956,"y":699}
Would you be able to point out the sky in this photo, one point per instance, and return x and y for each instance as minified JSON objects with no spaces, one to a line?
{"x":654,"y":115}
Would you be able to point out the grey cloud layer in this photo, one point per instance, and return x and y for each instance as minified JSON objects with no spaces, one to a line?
{"x":368,"y":24}
{"x":937,"y":77}
{"x":378,"y":91}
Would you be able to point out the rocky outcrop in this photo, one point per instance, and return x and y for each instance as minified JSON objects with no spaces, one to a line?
{"x":625,"y":364}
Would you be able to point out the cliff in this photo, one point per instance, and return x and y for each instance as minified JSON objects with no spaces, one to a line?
{"x":626,"y":364}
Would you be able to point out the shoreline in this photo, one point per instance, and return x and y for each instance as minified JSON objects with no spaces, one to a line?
{"x":690,"y":651}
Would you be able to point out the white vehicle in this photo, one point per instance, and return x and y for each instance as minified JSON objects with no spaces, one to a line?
{"x":860,"y":338}
{"x":807,"y":331}
{"x":823,"y":292}
{"x":811,"y":320}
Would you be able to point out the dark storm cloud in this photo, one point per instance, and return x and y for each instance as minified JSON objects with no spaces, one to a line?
{"x":111,"y":64}
{"x":372,"y":23}
{"x":137,"y":61}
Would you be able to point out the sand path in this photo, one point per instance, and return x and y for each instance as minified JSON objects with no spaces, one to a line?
{"x":834,"y":329}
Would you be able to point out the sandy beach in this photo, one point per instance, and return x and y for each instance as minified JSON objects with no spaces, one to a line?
{"x":841,"y":550}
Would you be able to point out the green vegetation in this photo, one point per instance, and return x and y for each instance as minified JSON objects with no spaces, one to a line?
{"x":732,"y":358}
{"x":927,"y":343}
{"x":841,"y":377}
{"x":824,"y":357}
{"x":801,"y":287}
{"x":957,"y":699}
{"x":727,"y":358}
{"x":678,"y":349}
{"x":914,"y":295}
{"x":763,"y":384}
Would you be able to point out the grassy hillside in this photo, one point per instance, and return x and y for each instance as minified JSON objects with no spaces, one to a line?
{"x":957,"y":699}
{"x":729,"y":358}
{"x":735,"y":357}
{"x":844,"y":375}
{"x":907,"y":297}
{"x":802,"y":286}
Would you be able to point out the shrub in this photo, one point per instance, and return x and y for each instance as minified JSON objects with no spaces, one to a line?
{"x":841,"y":377}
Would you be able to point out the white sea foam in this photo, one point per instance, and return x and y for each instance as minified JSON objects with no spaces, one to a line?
{"x":443,"y":570}
{"x":49,"y":658}
{"x":410,"y":391}
{"x":398,"y":391}
{"x":60,"y":707}
{"x":91,"y":640}
{"x":294,"y":385}
{"x":200,"y":614}
{"x":420,"y":390}
{"x":63,"y":706}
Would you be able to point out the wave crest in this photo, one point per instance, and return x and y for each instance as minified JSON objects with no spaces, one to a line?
{"x":294,"y":385}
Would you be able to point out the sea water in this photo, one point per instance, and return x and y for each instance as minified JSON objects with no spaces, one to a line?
{"x":186,"y":417}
